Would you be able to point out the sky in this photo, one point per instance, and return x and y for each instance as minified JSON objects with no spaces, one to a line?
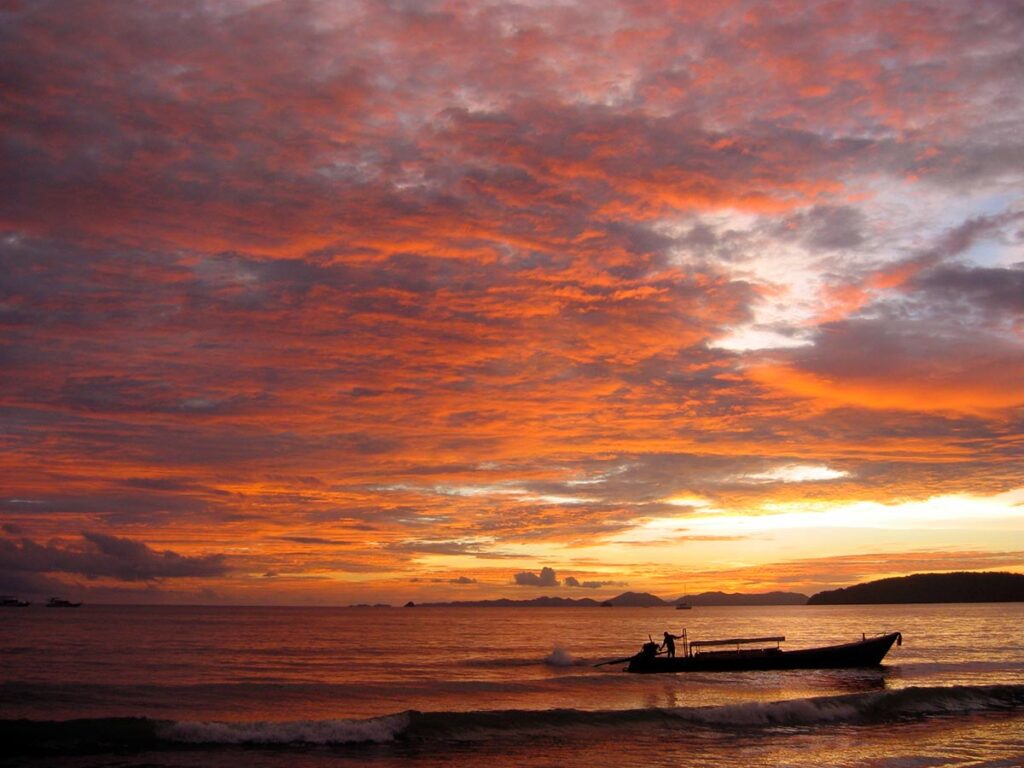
{"x":342,"y":302}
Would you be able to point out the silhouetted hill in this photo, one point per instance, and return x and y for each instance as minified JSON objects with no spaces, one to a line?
{"x":636,"y":600}
{"x":628,"y":600}
{"x":964,"y":587}
{"x":724,"y":598}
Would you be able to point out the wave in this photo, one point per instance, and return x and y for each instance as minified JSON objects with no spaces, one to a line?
{"x":559,"y":657}
{"x":100,"y":734}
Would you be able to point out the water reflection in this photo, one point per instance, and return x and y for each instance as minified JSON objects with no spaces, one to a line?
{"x":855,"y":680}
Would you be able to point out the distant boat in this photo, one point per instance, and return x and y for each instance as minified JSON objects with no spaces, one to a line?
{"x":56,"y":602}
{"x":866,"y":652}
{"x":682,"y":604}
{"x":7,"y":601}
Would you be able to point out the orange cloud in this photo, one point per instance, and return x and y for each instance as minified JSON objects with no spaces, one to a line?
{"x":974,"y":392}
{"x":309,"y":284}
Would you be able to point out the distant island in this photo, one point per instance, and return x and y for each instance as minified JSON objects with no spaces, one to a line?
{"x":963,"y":587}
{"x":627,"y":600}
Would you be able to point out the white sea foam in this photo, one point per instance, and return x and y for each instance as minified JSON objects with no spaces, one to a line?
{"x":795,"y":712}
{"x":879,"y":706}
{"x":559,"y":657}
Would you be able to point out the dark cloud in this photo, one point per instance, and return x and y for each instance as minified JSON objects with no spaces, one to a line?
{"x":994,"y":293}
{"x":472,"y":548}
{"x":827,"y":227}
{"x":112,"y":506}
{"x":546,"y":578}
{"x":438,"y":580}
{"x":438,"y":547}
{"x":98,"y":555}
{"x":572,"y":581}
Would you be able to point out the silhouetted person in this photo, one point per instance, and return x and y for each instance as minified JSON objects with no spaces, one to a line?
{"x":670,"y":645}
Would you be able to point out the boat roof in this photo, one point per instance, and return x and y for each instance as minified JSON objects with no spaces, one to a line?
{"x":738,"y":641}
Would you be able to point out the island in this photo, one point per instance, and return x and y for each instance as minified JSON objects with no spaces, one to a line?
{"x":961,"y":587}
{"x":627,"y":600}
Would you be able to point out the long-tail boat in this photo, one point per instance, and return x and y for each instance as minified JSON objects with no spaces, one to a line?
{"x":735,"y":654}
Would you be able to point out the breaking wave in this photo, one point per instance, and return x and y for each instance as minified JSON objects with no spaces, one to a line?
{"x":27,"y":736}
{"x":559,"y":657}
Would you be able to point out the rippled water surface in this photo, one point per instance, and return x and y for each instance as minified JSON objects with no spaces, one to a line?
{"x":460,"y":686}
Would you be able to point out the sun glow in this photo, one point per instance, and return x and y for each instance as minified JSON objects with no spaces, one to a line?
{"x":951,"y":512}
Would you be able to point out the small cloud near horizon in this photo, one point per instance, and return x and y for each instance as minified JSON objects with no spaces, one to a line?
{"x":546,"y":578}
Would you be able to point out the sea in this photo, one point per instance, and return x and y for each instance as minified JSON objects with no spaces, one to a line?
{"x":264,"y":687}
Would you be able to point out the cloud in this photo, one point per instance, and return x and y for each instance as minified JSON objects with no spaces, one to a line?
{"x":572,"y":581}
{"x":570,"y":260}
{"x":813,"y":574}
{"x":475,"y":548}
{"x":311,"y":540}
{"x":794,"y":473}
{"x":546,"y":578}
{"x":438,"y":580}
{"x":99,"y":555}
{"x":827,"y":227}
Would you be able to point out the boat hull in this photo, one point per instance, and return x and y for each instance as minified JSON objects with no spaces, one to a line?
{"x":863,"y":653}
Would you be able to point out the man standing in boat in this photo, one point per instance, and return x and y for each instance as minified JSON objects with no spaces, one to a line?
{"x":669,"y":644}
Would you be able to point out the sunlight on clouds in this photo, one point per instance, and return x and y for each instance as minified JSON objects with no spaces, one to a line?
{"x":750,"y":338}
{"x":688,"y":501}
{"x":614,"y":287}
{"x":509,"y":490}
{"x":951,"y":511}
{"x":658,"y":529}
{"x":794,"y":473}
{"x":476,"y":490}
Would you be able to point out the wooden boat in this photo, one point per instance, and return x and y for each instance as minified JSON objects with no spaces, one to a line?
{"x":866,"y":652}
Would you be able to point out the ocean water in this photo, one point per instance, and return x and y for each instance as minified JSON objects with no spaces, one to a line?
{"x":202,"y":686}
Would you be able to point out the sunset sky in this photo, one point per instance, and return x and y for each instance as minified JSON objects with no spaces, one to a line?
{"x":337,"y":302}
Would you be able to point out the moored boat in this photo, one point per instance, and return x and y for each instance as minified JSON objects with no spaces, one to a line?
{"x":8,"y":601}
{"x":56,"y":602}
{"x":866,"y":652}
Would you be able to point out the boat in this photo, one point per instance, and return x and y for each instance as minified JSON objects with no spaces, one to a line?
{"x":56,"y":602}
{"x":731,"y":656}
{"x":8,"y":601}
{"x":682,"y":604}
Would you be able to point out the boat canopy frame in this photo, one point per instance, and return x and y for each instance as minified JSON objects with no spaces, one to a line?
{"x":692,"y":647}
{"x":738,"y":641}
